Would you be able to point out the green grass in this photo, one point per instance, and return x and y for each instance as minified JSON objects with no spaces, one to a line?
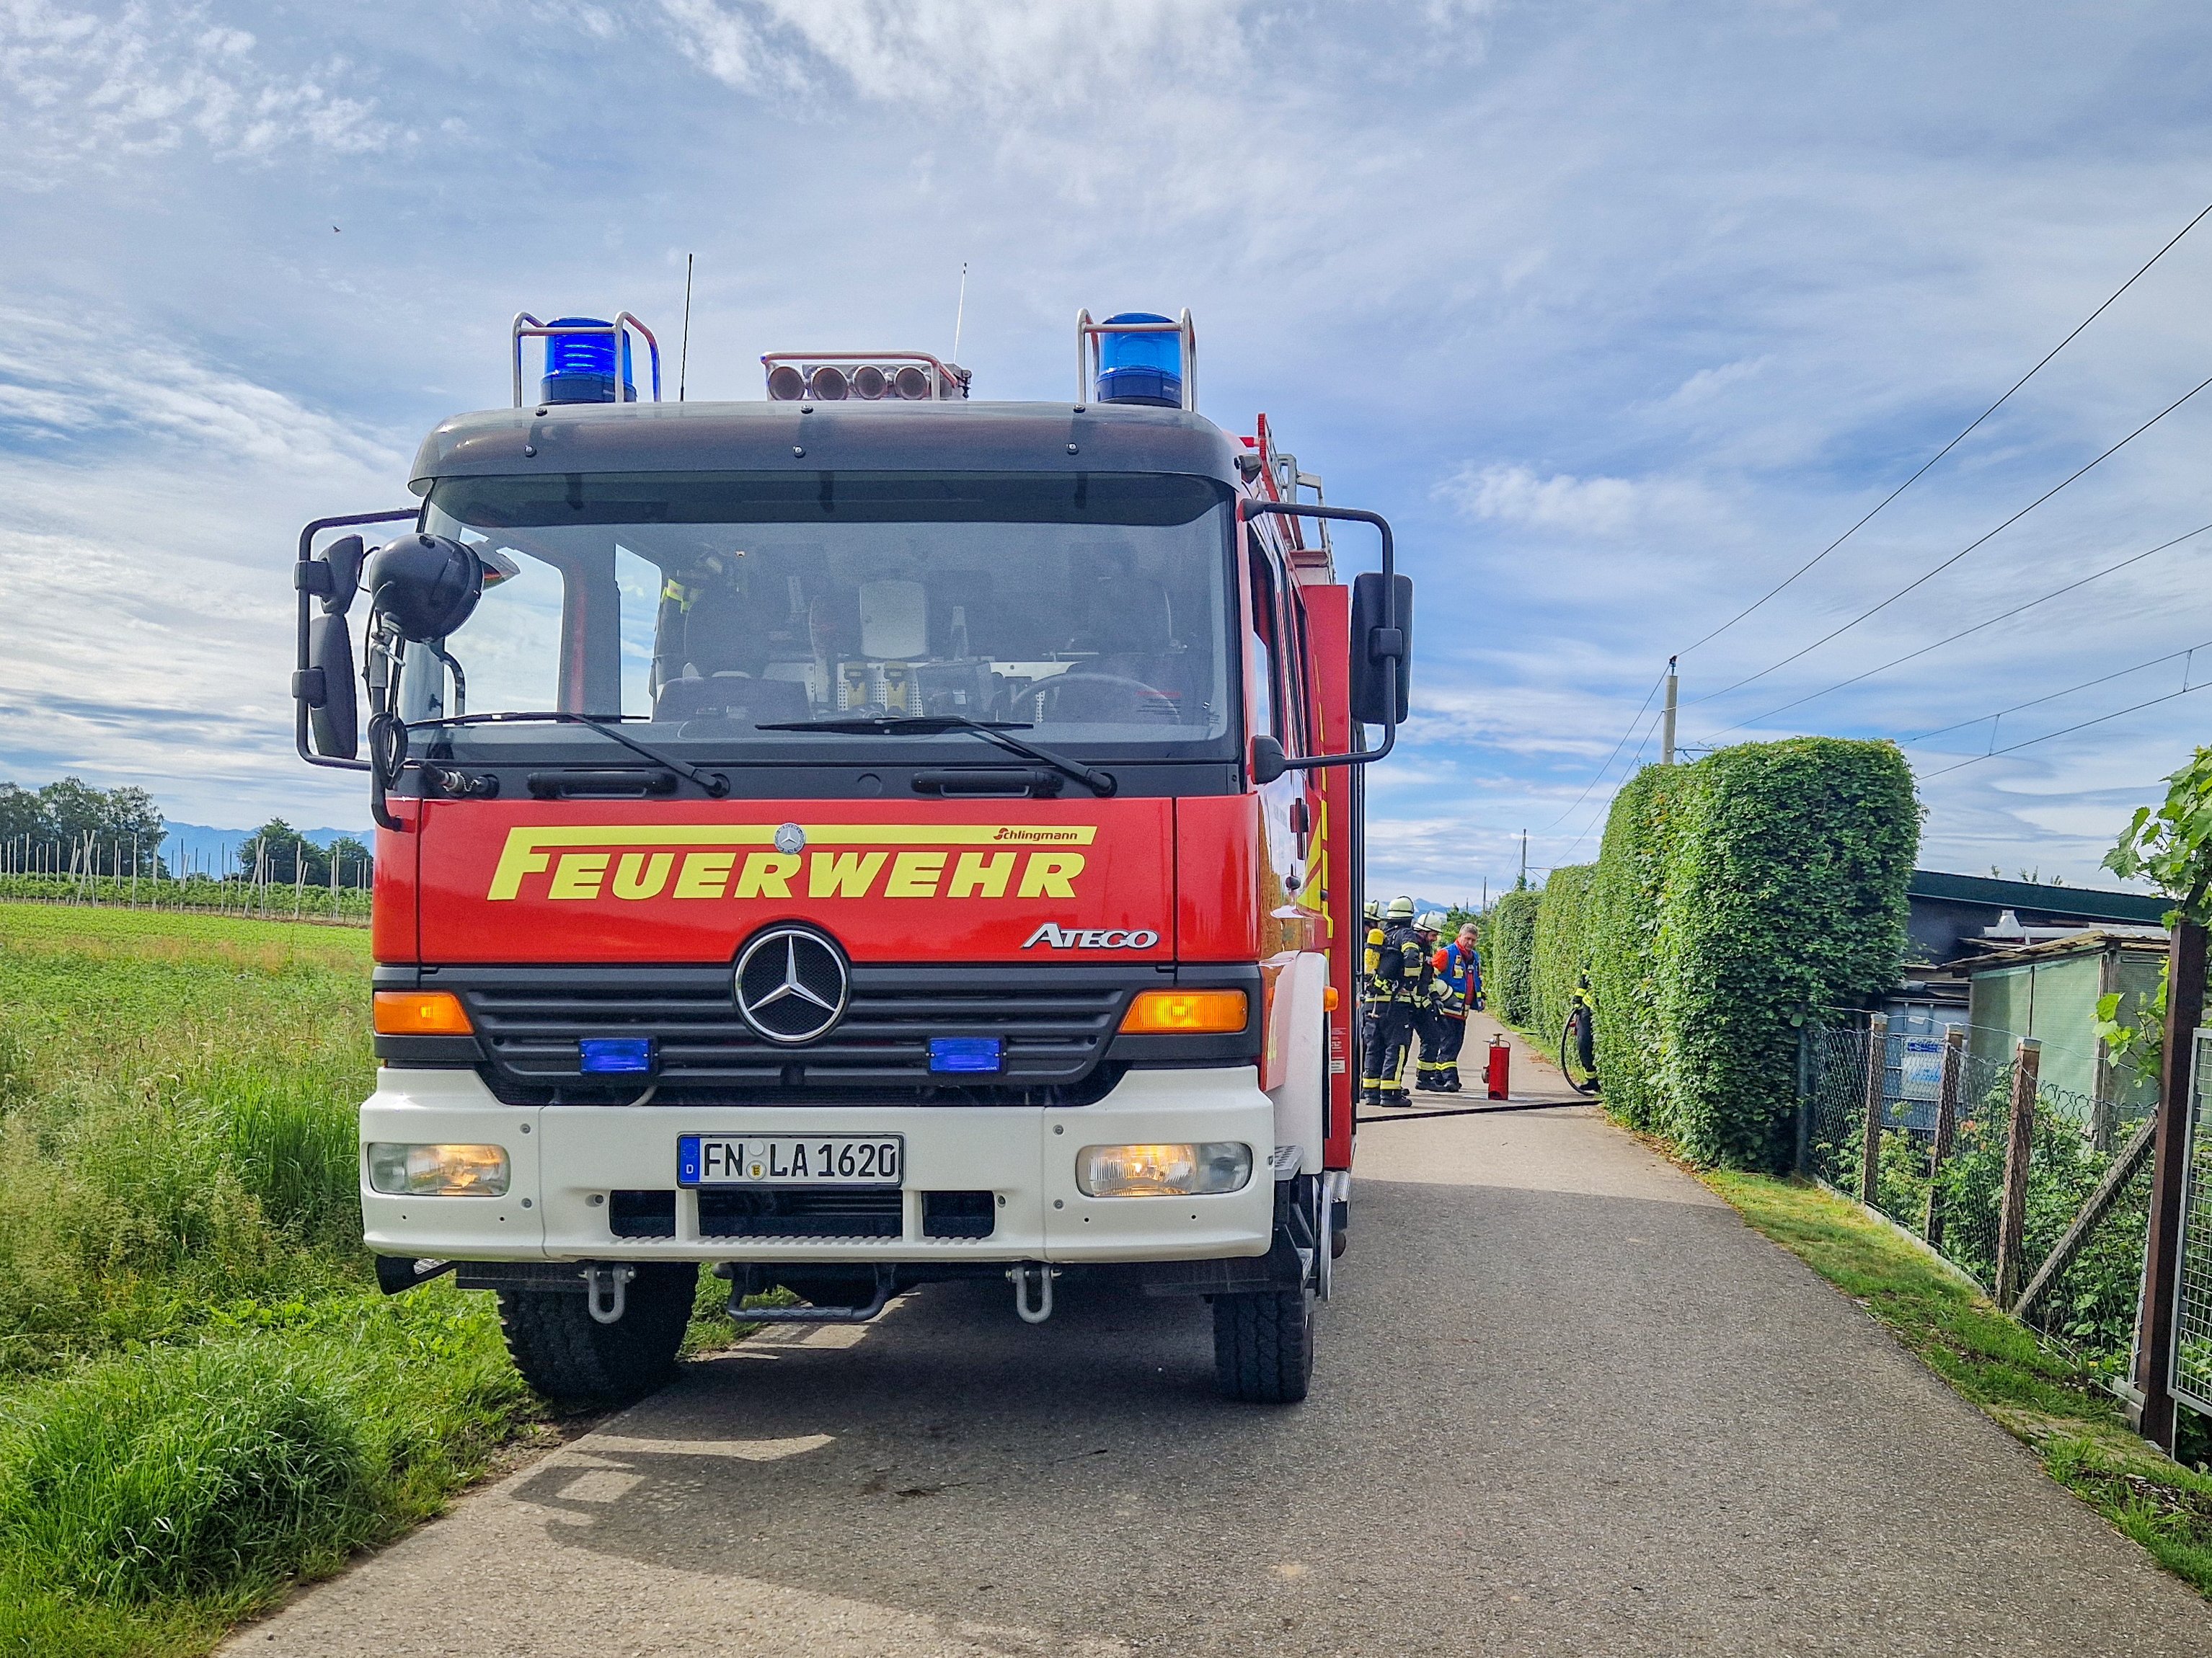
{"x":2054,"y":1405}
{"x":202,"y":1397}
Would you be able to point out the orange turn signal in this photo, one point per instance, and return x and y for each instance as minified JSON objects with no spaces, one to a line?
{"x":1185,"y":1012}
{"x":421,"y":1013}
{"x":1329,"y":998}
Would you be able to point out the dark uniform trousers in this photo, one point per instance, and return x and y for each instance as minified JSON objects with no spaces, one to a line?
{"x":1389,"y":1033}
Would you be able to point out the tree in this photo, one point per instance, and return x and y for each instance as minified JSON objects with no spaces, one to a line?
{"x":287,"y":851}
{"x":356,"y":864}
{"x":69,"y":820}
{"x":2171,"y":848}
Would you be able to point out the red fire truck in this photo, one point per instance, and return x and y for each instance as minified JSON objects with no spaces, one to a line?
{"x":857,"y":838}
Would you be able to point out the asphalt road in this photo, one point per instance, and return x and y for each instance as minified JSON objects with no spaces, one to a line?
{"x":1566,"y":1403}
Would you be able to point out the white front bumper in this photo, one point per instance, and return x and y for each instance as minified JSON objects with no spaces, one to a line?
{"x":564,"y":1156}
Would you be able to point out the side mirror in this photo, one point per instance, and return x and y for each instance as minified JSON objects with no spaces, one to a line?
{"x":326,"y":686}
{"x":428,"y":584}
{"x":1268,"y":760}
{"x":1381,"y":656}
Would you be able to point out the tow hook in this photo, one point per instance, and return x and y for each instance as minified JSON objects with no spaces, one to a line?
{"x":1018,"y":1276}
{"x":605,"y":1291}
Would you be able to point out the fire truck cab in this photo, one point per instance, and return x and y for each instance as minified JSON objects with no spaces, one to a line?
{"x":857,"y":838}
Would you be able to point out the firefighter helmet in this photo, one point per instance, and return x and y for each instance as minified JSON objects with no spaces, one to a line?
{"x":1402,"y":909}
{"x":1433,"y":922}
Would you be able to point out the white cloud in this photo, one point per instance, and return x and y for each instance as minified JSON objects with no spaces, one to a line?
{"x":1606,"y":506}
{"x":956,"y":54}
{"x":150,"y":79}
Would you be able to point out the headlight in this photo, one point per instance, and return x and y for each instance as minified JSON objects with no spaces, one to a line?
{"x":438,"y":1171}
{"x":1163,"y":1171}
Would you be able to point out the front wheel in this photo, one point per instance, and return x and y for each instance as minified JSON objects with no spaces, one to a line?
{"x":1577,"y":1063}
{"x":572,"y":1360}
{"x":1263,"y":1345}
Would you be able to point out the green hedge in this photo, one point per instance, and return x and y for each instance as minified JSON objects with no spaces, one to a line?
{"x":1735,"y":900}
{"x":1560,"y":953}
{"x":1624,"y":929}
{"x":1506,"y":948}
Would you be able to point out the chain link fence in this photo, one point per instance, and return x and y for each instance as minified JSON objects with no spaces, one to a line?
{"x":1939,"y":1172}
{"x":2192,"y":1334}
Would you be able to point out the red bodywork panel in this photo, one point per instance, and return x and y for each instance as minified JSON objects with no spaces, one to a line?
{"x":393,"y":935}
{"x":527,"y":882}
{"x":1329,"y":630}
{"x":1218,"y":863}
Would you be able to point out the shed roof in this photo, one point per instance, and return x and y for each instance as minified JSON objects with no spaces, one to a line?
{"x":2150,"y":940}
{"x":2090,"y":903}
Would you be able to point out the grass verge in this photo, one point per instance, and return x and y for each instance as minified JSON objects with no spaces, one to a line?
{"x":2053,"y":1404}
{"x":204,"y":1399}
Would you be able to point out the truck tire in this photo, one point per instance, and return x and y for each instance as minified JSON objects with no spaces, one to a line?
{"x":1263,"y":1345}
{"x":572,"y":1360}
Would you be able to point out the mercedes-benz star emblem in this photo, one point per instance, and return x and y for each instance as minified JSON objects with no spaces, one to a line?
{"x":791,"y":985}
{"x":790,"y":838}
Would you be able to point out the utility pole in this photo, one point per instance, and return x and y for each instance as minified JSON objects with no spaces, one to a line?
{"x":1667,"y":720}
{"x":1523,"y":885}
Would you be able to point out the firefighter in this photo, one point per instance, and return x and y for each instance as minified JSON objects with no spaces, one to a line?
{"x":1440,"y":1017}
{"x":1459,"y":970}
{"x":1372,"y":931}
{"x":1397,"y":975}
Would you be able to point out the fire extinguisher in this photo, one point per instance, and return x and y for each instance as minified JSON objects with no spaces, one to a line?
{"x":1497,"y":1079}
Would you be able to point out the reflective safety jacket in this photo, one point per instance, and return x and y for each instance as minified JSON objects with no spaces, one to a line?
{"x":1398,"y":968}
{"x":1461,"y":969}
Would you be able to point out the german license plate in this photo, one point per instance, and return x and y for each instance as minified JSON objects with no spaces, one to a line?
{"x":790,"y":1160}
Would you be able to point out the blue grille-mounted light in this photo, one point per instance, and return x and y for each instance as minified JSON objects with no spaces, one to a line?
{"x":617,"y":1056}
{"x":580,"y":368}
{"x":967,"y":1055}
{"x":1144,"y":369}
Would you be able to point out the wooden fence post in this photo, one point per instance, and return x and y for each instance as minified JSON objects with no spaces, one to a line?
{"x":1947,"y":1129}
{"x":2019,"y":1147}
{"x":2184,"y":1009}
{"x":1870,"y":1146}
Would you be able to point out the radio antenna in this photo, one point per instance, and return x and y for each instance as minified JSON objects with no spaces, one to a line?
{"x":960,"y":311}
{"x":683,"y":359}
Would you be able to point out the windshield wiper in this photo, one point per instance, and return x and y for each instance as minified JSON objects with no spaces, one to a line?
{"x":936,"y":725}
{"x":713,"y":782}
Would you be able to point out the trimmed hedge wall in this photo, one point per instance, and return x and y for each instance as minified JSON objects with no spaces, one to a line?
{"x":1735,"y":900}
{"x":1506,"y":947}
{"x":1561,"y":952}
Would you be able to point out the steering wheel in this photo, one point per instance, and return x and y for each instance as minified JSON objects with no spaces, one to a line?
{"x":1152,"y":703}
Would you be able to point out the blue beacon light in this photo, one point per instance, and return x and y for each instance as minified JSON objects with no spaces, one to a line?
{"x":967,"y":1055}
{"x":580,"y":368}
{"x":617,"y":1056}
{"x":1145,"y":368}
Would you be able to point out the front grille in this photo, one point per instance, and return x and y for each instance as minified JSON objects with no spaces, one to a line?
{"x":1054,"y":1027}
{"x":810,"y":1211}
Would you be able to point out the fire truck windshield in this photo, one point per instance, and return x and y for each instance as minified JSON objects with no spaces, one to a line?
{"x":1095,"y":608}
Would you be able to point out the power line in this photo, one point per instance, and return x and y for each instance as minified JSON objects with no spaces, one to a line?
{"x":2052,"y":697}
{"x":1976,"y":760}
{"x":1954,"y":443}
{"x":1929,"y":574}
{"x":1594,"y":816}
{"x":1610,"y":758}
{"x":2002,"y":615}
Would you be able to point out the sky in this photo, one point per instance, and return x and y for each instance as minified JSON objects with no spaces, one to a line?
{"x":1621,"y":313}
